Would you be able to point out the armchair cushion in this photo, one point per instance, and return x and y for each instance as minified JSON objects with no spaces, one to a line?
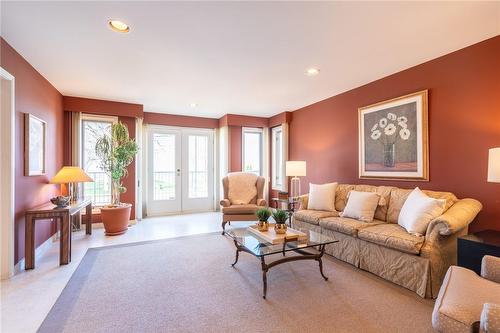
{"x":490,"y":268}
{"x":240,"y":209}
{"x":490,"y":318}
{"x":242,"y":188}
{"x":461,"y":298}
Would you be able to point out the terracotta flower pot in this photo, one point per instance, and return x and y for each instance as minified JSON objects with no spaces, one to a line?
{"x":115,"y":219}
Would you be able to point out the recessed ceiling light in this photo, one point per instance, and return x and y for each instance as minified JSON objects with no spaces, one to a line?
{"x":118,"y":26}
{"x":312,"y":71}
{"x":193,"y":105}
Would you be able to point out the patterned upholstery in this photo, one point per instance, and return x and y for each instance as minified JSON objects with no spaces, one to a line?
{"x":490,"y":318}
{"x":461,"y":299}
{"x":346,"y":225}
{"x":385,"y":194}
{"x":490,"y":268}
{"x":392,"y":236}
{"x":313,"y":216}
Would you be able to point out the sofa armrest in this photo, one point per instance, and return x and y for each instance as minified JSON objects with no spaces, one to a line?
{"x":490,"y":318}
{"x":490,"y":268}
{"x":261,"y":202}
{"x":457,"y":217}
{"x":304,"y":200}
{"x":225,"y":203}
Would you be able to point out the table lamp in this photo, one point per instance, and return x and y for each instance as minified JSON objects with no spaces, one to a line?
{"x":295,"y":169}
{"x":71,"y":175}
{"x":494,"y":165}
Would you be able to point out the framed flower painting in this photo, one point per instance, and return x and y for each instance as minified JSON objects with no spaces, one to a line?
{"x":393,"y":139}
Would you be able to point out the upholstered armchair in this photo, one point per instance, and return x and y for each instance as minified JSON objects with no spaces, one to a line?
{"x":468,"y":302}
{"x":243,"y":196}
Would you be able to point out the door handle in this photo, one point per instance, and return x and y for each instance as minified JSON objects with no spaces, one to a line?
{"x":178,"y":172}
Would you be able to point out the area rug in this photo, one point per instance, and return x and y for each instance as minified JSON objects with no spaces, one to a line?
{"x":188,"y":285}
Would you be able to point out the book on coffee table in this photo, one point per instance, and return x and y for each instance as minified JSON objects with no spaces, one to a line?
{"x":272,"y":237}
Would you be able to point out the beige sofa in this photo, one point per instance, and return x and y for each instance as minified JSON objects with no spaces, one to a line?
{"x":468,"y":302}
{"x":386,"y":249}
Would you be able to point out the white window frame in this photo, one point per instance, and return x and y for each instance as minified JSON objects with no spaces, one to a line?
{"x":90,"y":117}
{"x":261,"y":150}
{"x":275,"y":169}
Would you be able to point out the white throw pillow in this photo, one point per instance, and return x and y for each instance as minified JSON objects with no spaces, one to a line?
{"x":418,"y":211}
{"x":322,"y":197}
{"x":361,"y":205}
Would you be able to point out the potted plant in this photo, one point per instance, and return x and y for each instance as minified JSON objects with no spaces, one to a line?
{"x":280,"y":216}
{"x":263,"y":215}
{"x":115,"y":154}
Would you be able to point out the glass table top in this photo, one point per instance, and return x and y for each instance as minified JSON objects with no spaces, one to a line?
{"x":260,"y":247}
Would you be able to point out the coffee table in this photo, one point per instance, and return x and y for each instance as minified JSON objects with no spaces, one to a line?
{"x":311,"y":248}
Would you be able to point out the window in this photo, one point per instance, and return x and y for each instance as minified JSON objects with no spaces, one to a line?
{"x":252,"y":150}
{"x":277,"y":156}
{"x":198,"y":166}
{"x":164,"y":166}
{"x":92,"y":129}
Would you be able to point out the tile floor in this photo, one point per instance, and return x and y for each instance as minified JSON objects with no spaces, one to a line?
{"x":27,"y":297}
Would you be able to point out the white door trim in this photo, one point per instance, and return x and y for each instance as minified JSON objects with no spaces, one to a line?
{"x":7,"y":167}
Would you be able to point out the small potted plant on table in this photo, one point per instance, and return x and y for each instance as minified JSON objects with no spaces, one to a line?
{"x":280,"y":216}
{"x":115,"y":154}
{"x":263,"y":215}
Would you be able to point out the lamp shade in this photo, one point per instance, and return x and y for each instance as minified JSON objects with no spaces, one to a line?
{"x":71,"y":174}
{"x":494,"y":165}
{"x":295,"y":168}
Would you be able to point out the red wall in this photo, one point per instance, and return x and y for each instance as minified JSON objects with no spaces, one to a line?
{"x":464,"y":122}
{"x":177,"y":120}
{"x":37,"y":96}
{"x":102,"y":107}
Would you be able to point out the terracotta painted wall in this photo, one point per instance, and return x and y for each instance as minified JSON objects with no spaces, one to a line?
{"x":235,"y":161}
{"x":177,"y":120}
{"x":35,"y":95}
{"x":464,"y":122}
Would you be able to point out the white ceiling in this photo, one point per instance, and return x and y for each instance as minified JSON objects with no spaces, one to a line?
{"x":235,"y":57}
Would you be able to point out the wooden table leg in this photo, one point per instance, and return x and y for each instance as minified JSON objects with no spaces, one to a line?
{"x":88,"y":222}
{"x":64,"y":256}
{"x":29,"y":242}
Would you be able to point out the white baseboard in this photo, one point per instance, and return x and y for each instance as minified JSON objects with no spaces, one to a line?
{"x":39,"y":251}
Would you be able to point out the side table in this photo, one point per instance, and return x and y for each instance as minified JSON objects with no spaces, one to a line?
{"x":289,"y":204}
{"x":472,"y":248}
{"x":64,"y":216}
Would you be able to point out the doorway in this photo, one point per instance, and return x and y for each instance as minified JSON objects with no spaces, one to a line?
{"x":7,"y":167}
{"x":180,"y":170}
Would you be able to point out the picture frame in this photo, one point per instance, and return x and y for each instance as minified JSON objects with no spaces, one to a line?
{"x":35,"y":140}
{"x":393,"y":139}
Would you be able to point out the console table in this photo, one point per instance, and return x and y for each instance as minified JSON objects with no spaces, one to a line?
{"x":289,"y":204}
{"x":472,"y":248}
{"x":64,"y":216}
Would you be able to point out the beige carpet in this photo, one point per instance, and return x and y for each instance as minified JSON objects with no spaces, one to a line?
{"x":188,"y":285}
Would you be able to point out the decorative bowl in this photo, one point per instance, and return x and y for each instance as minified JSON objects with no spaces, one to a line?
{"x":60,"y":201}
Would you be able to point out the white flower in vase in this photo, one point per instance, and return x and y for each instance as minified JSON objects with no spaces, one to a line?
{"x":402,"y":119}
{"x":402,"y":124}
{"x":376,"y":135}
{"x":383,"y":122}
{"x":391,"y":116}
{"x":404,"y":133}
{"x":374,"y":127}
{"x":390,"y":129}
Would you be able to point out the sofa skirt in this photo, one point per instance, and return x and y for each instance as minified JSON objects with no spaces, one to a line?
{"x":407,"y":270}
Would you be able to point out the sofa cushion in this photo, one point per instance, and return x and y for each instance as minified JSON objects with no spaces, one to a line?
{"x":399,"y":195}
{"x":322,"y":197}
{"x":361,"y":205}
{"x":240,"y":209}
{"x":313,"y":216}
{"x":341,"y":194}
{"x":461,"y":298}
{"x":392,"y":236}
{"x":385,"y":194}
{"x":346,"y":225}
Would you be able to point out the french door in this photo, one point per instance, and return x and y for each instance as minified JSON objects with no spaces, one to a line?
{"x":180,"y":170}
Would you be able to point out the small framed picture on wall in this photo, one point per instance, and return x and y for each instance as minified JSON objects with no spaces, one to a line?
{"x":35,"y":132}
{"x":393,"y":139}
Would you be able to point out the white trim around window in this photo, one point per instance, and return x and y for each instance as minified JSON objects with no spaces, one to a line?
{"x":279,"y":154}
{"x":252,"y":130}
